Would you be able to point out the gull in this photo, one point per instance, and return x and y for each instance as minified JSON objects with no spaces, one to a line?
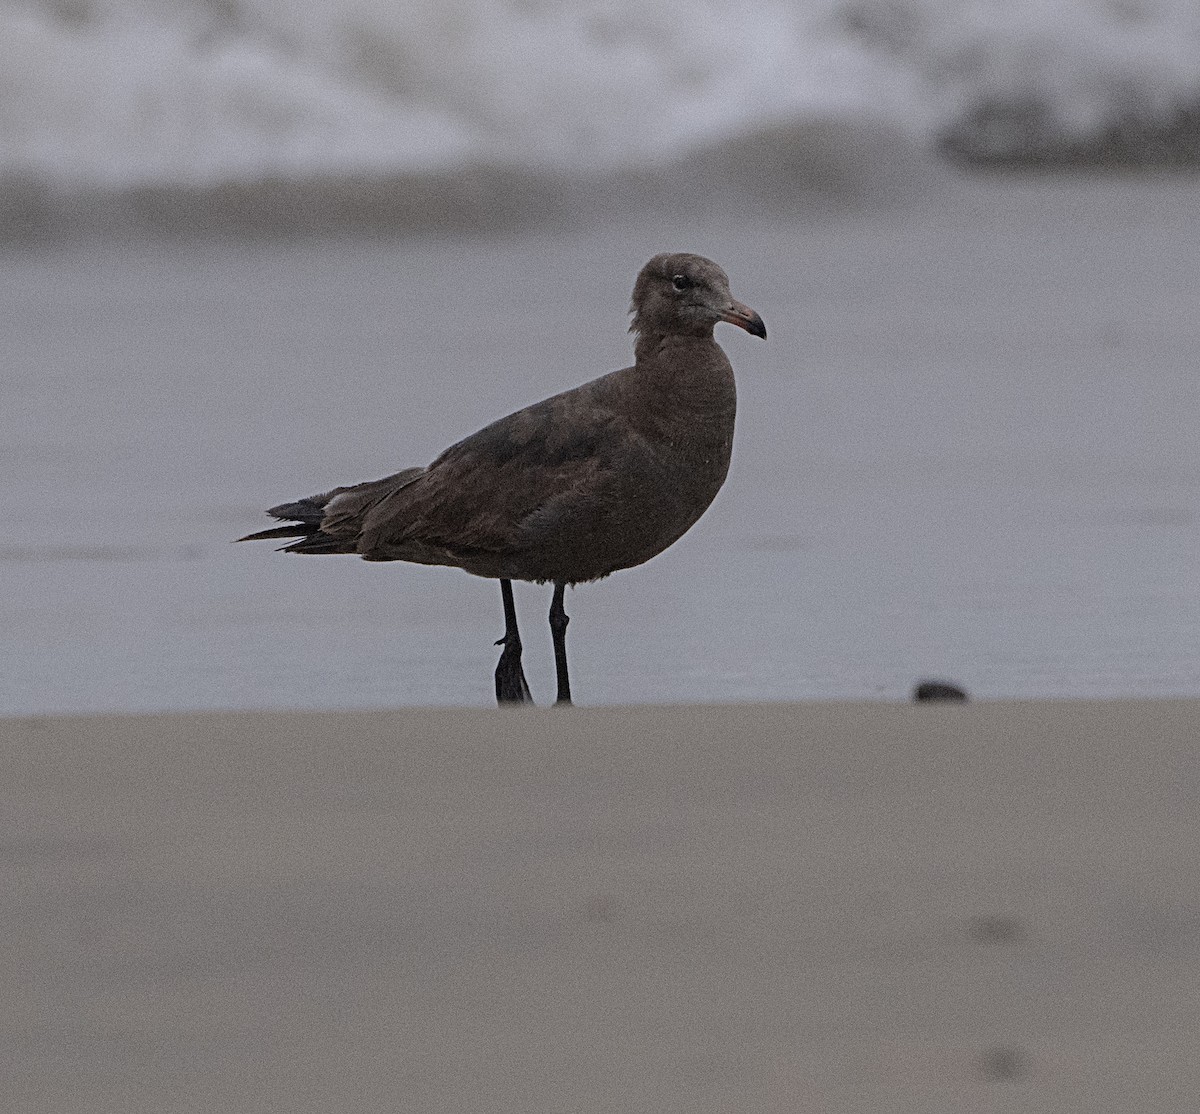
{"x":575,"y":487}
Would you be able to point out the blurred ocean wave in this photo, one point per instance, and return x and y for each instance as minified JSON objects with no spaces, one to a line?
{"x":294,"y":115}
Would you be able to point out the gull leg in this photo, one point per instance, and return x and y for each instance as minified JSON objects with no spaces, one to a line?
{"x":558,"y":629}
{"x":511,"y":687}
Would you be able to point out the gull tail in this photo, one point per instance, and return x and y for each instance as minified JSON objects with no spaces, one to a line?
{"x":304,"y":518}
{"x":303,"y":521}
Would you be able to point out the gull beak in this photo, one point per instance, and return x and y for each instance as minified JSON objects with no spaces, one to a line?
{"x":745,"y":318}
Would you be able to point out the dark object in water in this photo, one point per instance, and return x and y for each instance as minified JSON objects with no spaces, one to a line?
{"x":595,"y":479}
{"x":938,"y":690}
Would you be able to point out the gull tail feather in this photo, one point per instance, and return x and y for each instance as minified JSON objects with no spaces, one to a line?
{"x":304,"y":517}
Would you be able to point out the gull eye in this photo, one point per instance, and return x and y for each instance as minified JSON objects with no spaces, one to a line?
{"x":681,"y":283}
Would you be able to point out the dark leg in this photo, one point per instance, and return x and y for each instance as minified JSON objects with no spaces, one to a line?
{"x":511,"y":687}
{"x":558,"y":628}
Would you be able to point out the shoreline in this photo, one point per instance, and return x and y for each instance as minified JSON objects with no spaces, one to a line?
{"x":733,"y":707}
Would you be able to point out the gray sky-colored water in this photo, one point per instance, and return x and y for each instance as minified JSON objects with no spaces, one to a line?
{"x":967,"y":449}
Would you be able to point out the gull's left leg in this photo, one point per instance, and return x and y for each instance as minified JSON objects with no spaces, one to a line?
{"x":511,"y":687}
{"x":558,"y":629}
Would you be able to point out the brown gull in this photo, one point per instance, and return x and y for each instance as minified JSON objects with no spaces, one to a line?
{"x":595,"y":479}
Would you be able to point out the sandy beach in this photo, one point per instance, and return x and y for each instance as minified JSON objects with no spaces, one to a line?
{"x":833,"y":907}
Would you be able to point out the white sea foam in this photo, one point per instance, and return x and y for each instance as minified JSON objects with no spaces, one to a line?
{"x":103,"y":97}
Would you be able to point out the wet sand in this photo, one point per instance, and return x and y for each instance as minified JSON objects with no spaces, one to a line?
{"x":833,"y":907}
{"x":968,"y":448}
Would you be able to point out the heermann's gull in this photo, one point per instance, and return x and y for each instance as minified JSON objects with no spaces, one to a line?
{"x":570,"y":489}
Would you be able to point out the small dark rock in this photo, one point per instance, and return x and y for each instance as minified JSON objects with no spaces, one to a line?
{"x":938,"y":690}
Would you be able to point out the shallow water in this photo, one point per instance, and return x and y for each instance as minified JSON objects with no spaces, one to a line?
{"x":967,"y":449}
